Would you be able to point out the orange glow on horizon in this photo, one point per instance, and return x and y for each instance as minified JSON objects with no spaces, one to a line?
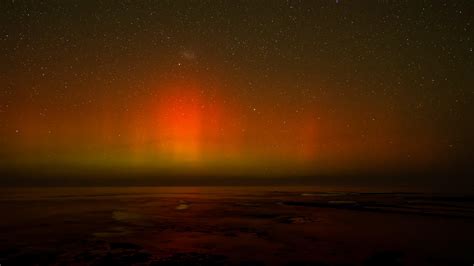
{"x":180,"y":123}
{"x":186,"y":122}
{"x":191,"y":126}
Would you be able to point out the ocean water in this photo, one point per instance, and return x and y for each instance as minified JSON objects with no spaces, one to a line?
{"x":234,"y":226}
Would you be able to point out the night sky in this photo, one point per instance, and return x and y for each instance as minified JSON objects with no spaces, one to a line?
{"x":237,"y":89}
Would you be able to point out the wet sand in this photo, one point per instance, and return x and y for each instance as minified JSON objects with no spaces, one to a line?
{"x":233,"y":226}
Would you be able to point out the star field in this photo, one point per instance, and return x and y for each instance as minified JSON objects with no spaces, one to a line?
{"x":237,"y":87}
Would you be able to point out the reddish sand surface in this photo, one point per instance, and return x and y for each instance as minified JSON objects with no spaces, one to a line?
{"x":233,"y":226}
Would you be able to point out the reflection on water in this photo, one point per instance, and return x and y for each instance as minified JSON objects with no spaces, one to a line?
{"x":233,"y":226}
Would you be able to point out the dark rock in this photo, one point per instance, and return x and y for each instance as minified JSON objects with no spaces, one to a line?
{"x":192,"y":258}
